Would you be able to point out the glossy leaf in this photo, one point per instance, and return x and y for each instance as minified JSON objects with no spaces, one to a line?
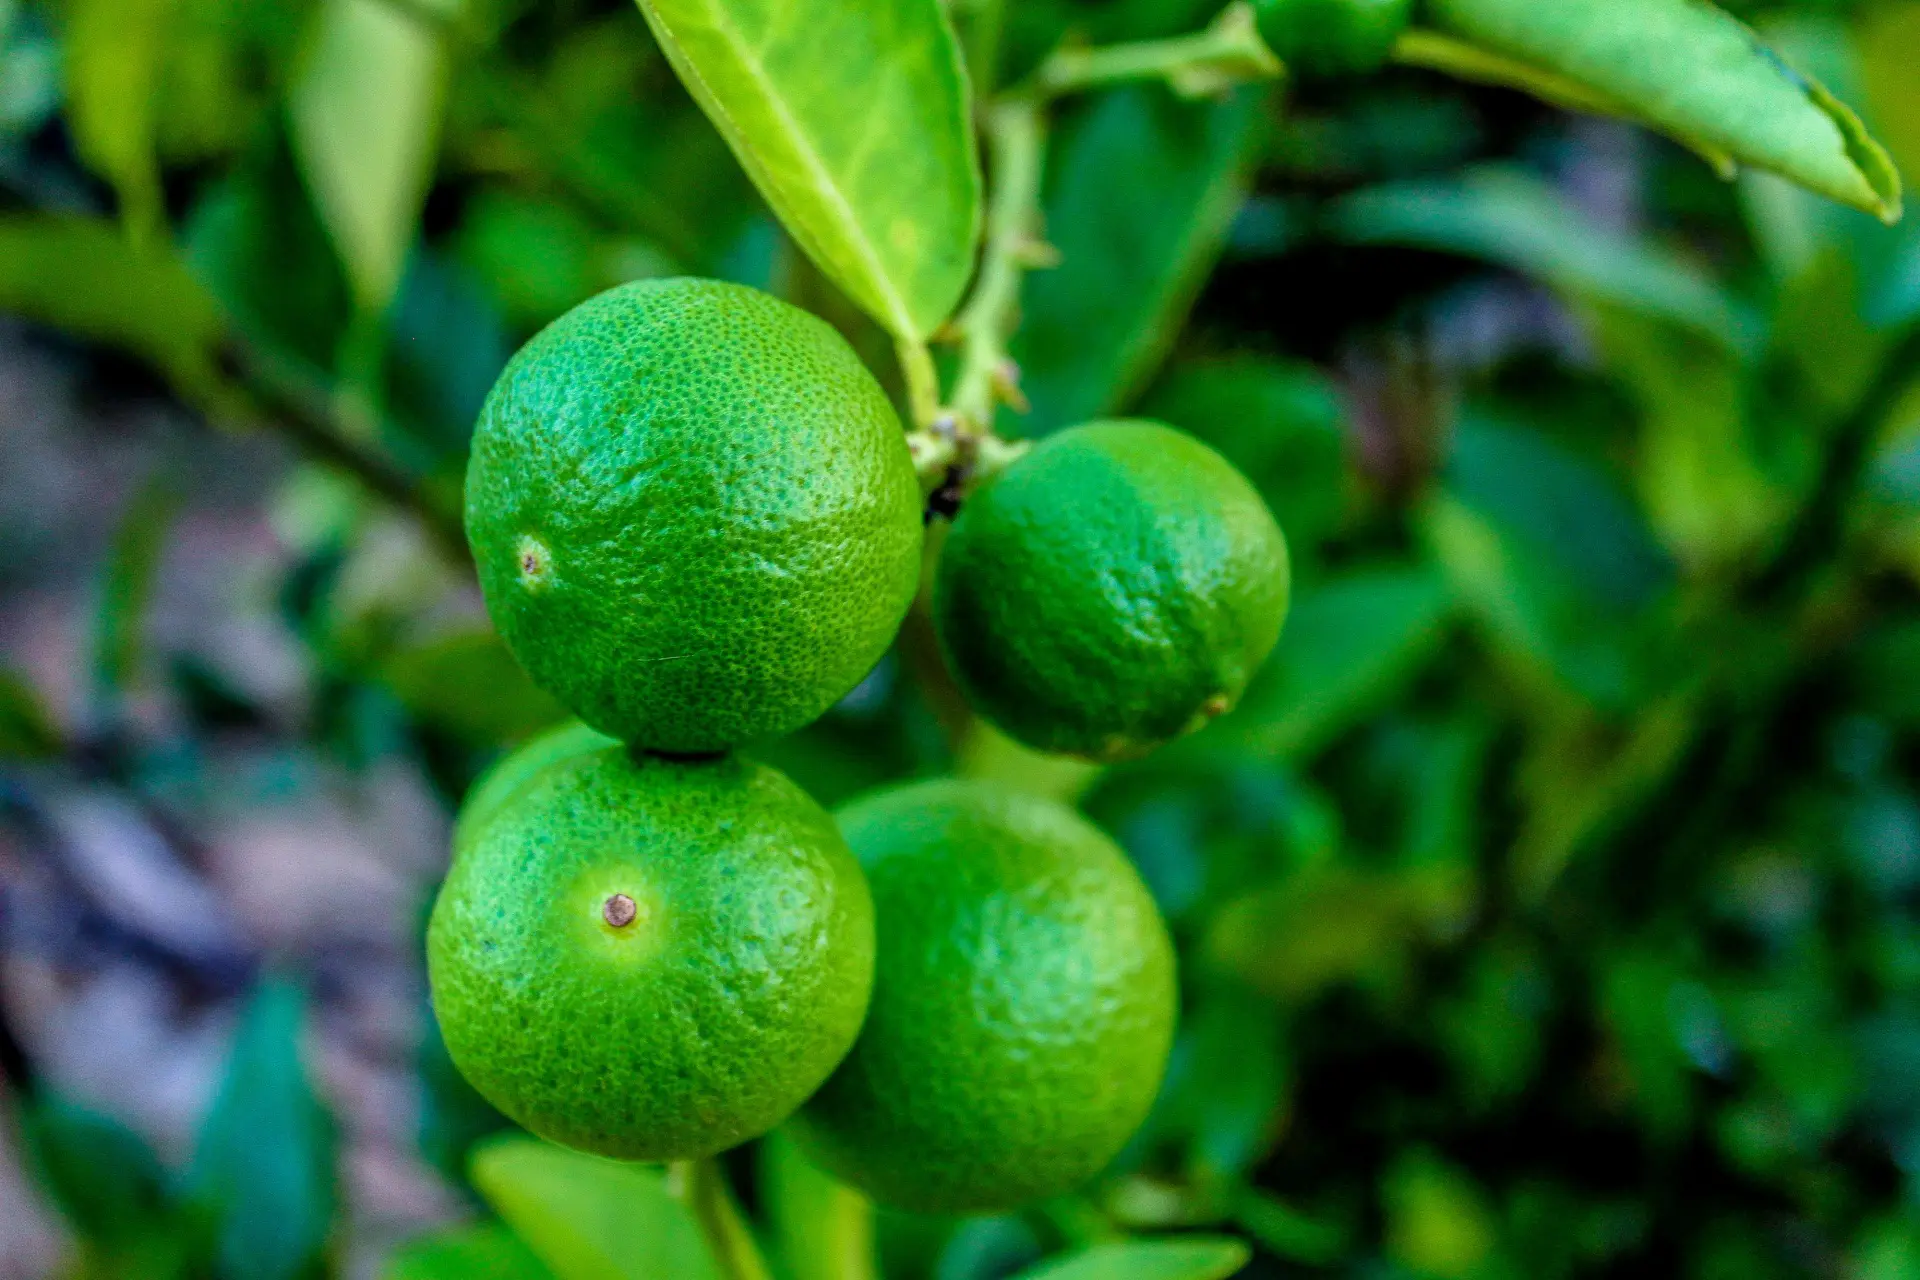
{"x":853,"y":120}
{"x":264,"y":1165}
{"x":488,"y":1252}
{"x":365,"y":117}
{"x":1187,"y":1258}
{"x":83,"y":276}
{"x":588,"y":1218}
{"x":1137,"y":204}
{"x":1506,"y":217}
{"x":1693,"y":71}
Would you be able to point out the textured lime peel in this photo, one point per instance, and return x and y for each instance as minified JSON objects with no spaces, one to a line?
{"x":648,"y":959}
{"x":1023,"y":1004}
{"x":694,"y":514}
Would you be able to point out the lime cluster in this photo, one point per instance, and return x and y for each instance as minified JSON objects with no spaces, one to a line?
{"x":697,"y":524}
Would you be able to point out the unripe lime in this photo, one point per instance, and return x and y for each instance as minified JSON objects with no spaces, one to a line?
{"x":651,"y":959}
{"x":1023,"y":1003}
{"x":694,"y":514}
{"x":498,"y":783}
{"x":1114,"y":588}
{"x":1332,"y":37}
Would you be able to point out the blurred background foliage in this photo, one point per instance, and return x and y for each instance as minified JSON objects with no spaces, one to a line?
{"x":1550,"y":908}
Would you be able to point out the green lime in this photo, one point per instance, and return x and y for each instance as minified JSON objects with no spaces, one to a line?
{"x":1023,"y":1003}
{"x":1111,"y":590}
{"x":694,"y":514}
{"x":651,"y":959}
{"x":492,"y":788}
{"x":1332,"y":37}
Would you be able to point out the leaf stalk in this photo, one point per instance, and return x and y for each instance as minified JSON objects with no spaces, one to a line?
{"x":700,"y":1186}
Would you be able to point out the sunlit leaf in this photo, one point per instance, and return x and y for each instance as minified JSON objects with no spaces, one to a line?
{"x":264,"y":1165}
{"x":853,"y":120}
{"x":588,"y":1218}
{"x":1138,"y":202}
{"x":1506,"y":217}
{"x":1439,"y":1223}
{"x":488,"y":1252}
{"x":1695,"y":72}
{"x":1188,"y":1258}
{"x":365,"y":116}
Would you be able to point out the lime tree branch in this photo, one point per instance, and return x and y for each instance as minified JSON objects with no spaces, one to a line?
{"x":306,"y":412}
{"x":1228,"y":52}
{"x":961,"y":432}
{"x":1016,"y":135}
{"x":958,"y":433}
{"x":701,"y":1187}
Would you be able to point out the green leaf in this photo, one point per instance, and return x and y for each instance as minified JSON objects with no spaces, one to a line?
{"x":1507,"y":217}
{"x":1695,"y":72}
{"x":437,"y":681}
{"x":104,"y":1177}
{"x":254,"y":240}
{"x":487,"y":1252}
{"x":1438,"y":1221}
{"x":1298,"y":935}
{"x":27,"y":729}
{"x":1699,"y":472}
{"x":1348,"y":646}
{"x":114,"y":53}
{"x":82,"y":276}
{"x":853,"y":120}
{"x":1550,"y":556}
{"x":263,"y":1166}
{"x":824,"y":1227}
{"x":1285,"y":1231}
{"x":588,"y":1218}
{"x":365,"y":115}
{"x":1186,"y":1258}
{"x":1138,"y":203}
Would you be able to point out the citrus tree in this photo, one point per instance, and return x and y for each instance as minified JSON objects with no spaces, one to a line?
{"x":700,"y":514}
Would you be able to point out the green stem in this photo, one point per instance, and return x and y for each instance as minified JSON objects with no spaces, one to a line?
{"x":1016,"y":139}
{"x":702,"y":1188}
{"x":303,"y":407}
{"x":1227,"y":52}
{"x":923,"y":381}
